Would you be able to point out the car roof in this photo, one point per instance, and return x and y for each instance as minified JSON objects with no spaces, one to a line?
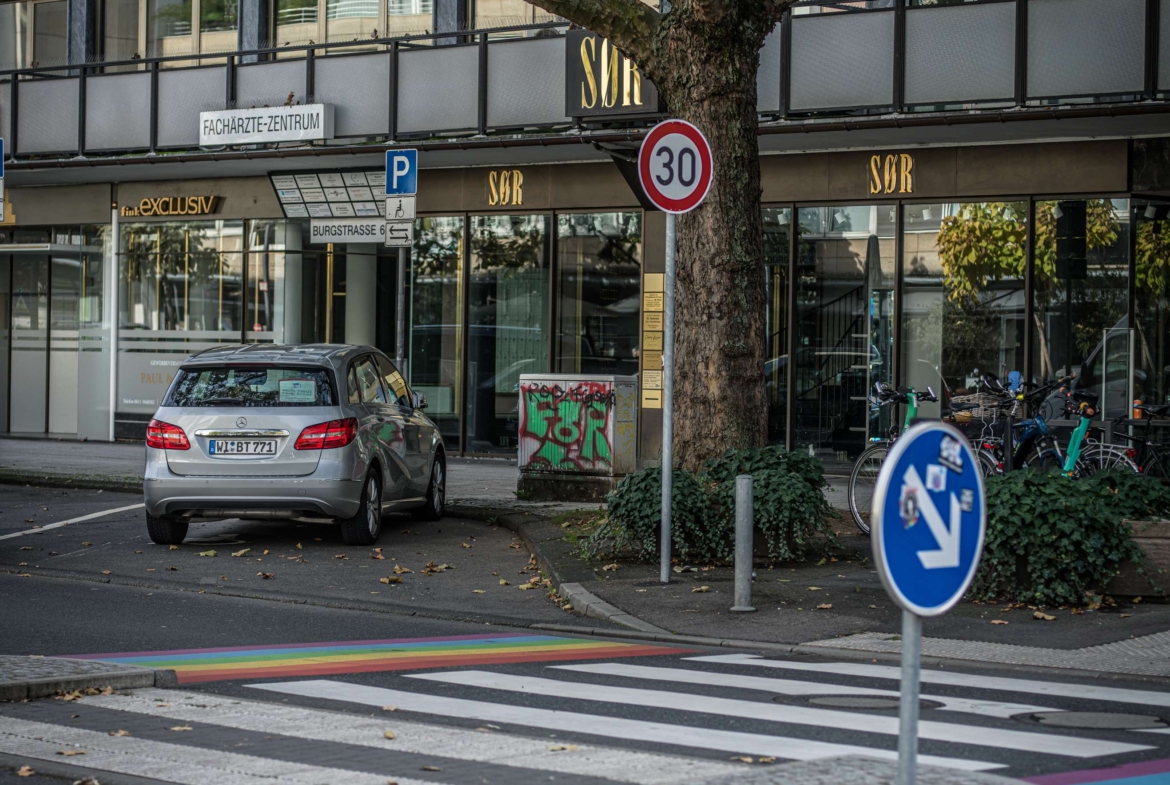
{"x":319,"y":354}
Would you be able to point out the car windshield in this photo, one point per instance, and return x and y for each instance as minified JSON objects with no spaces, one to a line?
{"x":242,"y":386}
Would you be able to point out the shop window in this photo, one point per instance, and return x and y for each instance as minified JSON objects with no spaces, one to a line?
{"x":509,"y":13}
{"x":350,"y":20}
{"x":508,"y":323}
{"x":844,"y":327}
{"x":777,"y":231}
{"x":436,"y":321}
{"x":598,"y":292}
{"x":296,"y":22}
{"x":265,"y":297}
{"x":408,"y":16}
{"x":1152,"y":322}
{"x":963,"y":296}
{"x":32,"y":34}
{"x":1082,"y":297}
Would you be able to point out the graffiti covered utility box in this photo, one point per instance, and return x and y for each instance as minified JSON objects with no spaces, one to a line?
{"x":576,"y":428}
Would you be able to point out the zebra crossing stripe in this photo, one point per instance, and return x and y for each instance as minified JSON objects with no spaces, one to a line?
{"x":983,"y":708}
{"x":161,"y":761}
{"x":532,"y":754}
{"x":599,"y":725}
{"x":1070,"y":746}
{"x":953,"y":679}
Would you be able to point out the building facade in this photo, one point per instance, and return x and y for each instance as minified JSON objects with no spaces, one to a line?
{"x":949,"y":189}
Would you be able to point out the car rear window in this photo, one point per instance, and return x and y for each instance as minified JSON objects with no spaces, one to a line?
{"x":243,"y":386}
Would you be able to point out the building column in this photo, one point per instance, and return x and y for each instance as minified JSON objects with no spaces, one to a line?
{"x":293,"y":284}
{"x":82,"y":21}
{"x":253,"y":30}
{"x":361,"y":293}
{"x":449,"y":16}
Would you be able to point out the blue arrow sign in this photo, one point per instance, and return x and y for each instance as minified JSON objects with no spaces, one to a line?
{"x":401,"y":172}
{"x":929,"y":519}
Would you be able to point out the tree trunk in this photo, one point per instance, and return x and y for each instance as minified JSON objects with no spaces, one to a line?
{"x":710,"y":81}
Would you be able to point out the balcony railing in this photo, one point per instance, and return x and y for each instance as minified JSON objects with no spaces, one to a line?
{"x":829,"y":58}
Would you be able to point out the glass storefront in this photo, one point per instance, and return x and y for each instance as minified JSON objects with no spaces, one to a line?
{"x":777,"y":237}
{"x":1151,"y":335}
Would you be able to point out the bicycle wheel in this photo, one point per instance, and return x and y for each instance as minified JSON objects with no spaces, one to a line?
{"x":862,"y":482}
{"x":1157,"y":465}
{"x":1101,"y":457}
{"x":988,"y":463}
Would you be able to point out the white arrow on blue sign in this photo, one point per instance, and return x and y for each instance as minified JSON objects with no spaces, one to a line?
{"x":401,"y":172}
{"x":929,"y":514}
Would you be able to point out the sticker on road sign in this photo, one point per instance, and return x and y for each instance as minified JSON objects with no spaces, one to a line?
{"x":930,"y":477}
{"x":674,"y":166}
{"x":401,"y":172}
{"x":399,"y":234}
{"x":400,"y":208}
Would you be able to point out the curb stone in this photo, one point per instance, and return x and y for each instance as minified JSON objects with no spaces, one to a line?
{"x":95,"y":482}
{"x":26,"y":678}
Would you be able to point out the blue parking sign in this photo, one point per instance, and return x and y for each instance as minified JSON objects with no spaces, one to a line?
{"x":401,"y":172}
{"x":929,"y":519}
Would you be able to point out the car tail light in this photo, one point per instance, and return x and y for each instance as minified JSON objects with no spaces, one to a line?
{"x":164,"y":436}
{"x":326,"y":435}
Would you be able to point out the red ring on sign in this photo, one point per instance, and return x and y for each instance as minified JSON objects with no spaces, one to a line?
{"x":661,"y":201}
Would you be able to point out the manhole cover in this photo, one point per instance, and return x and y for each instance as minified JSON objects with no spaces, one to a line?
{"x":1098,"y":720}
{"x":860,"y":702}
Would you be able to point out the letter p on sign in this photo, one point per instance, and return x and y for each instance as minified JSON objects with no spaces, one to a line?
{"x":401,"y":172}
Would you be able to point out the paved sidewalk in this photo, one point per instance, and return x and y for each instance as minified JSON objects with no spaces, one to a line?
{"x":36,"y":677}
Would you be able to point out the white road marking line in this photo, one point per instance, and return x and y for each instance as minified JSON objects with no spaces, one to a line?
{"x":599,"y":725}
{"x":620,"y":765}
{"x":952,"y":679}
{"x":791,"y":687}
{"x":59,"y":524}
{"x":1070,"y":746}
{"x":167,"y":762}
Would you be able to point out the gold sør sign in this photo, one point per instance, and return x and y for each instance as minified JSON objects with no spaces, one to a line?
{"x":601,"y":81}
{"x":172,"y":205}
{"x":891,"y":173}
{"x":505,"y":187}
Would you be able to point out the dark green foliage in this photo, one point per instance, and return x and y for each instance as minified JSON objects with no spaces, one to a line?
{"x":790,"y":509}
{"x":1051,"y":540}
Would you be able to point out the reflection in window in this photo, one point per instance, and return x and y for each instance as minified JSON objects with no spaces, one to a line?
{"x":1152,"y":323}
{"x":218,"y":15}
{"x":509,"y":13}
{"x":168,"y":27}
{"x":264,"y":298}
{"x":349,"y":20}
{"x":963,"y":295}
{"x":49,"y":22}
{"x":1082,"y":297}
{"x":598,"y":292}
{"x":296,"y":22}
{"x":436,"y":320}
{"x":777,"y":229}
{"x":408,"y":16}
{"x":508,"y":307}
{"x":844,"y":326}
{"x":120,"y":29}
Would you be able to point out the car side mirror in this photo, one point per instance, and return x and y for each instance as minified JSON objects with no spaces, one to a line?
{"x":419,"y":401}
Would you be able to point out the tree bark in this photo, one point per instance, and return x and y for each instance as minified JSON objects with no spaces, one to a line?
{"x":703,"y":56}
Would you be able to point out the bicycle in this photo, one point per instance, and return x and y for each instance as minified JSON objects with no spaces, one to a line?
{"x":1150,"y":458}
{"x":863,"y":478}
{"x":1032,"y":445}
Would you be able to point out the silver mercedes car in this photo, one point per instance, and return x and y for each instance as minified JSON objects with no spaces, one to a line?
{"x":318,"y":432}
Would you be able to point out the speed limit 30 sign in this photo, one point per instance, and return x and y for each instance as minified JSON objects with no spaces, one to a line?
{"x":674,"y":166}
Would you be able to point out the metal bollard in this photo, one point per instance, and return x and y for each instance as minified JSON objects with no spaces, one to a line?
{"x":744,"y":520}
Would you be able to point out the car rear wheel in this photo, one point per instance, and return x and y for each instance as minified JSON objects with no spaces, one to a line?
{"x":364,"y":527}
{"x":436,"y":493}
{"x":166,"y":531}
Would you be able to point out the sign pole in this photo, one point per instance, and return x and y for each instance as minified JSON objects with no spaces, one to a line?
{"x":400,"y":348}
{"x":908,"y":704}
{"x":667,"y":396}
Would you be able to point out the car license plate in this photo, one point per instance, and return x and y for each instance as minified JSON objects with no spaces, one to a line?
{"x":220,"y":447}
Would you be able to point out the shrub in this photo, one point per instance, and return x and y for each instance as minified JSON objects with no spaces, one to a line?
{"x":1051,"y":541}
{"x":789,"y":505}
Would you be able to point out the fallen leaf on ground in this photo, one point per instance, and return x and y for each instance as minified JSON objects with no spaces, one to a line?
{"x":26,"y":548}
{"x":516,"y":545}
{"x":265,"y":552}
{"x":1043,"y":616}
{"x":999,"y":621}
{"x":742,"y":758}
{"x":611,"y":567}
{"x":678,"y":568}
{"x":1124,"y":615}
{"x":377,"y":554}
{"x":700,"y":590}
{"x":105,"y":572}
{"x":180,"y":727}
{"x":389,"y":708}
{"x":430,"y":768}
{"x":206,"y":553}
{"x":526,"y":586}
{"x":504,"y":582}
{"x":478,"y":591}
{"x":22,"y":564}
{"x":70,"y":753}
{"x":341,"y":556}
{"x":172,"y":547}
{"x":119,"y":733}
{"x":1137,"y":600}
{"x":466,"y":545}
{"x":1076,"y":611}
{"x":769,"y":758}
{"x":399,"y":569}
{"x":563,"y":748}
{"x":431,"y":568}
{"x":390,"y":579}
{"x":25,"y":771}
{"x":388,"y":734}
{"x":24,"y":575}
{"x":815,"y":588}
{"x":265,"y":575}
{"x":826,"y":606}
{"x":172,"y":569}
{"x":300,"y":547}
{"x":138,"y":551}
{"x":84,"y":543}
{"x":243,"y":552}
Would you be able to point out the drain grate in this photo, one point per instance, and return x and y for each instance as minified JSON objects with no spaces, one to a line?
{"x":1098,"y":720}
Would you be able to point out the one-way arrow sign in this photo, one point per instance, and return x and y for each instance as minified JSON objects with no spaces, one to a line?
{"x":399,"y":234}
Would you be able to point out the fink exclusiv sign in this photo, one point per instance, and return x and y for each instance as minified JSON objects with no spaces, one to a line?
{"x":264,"y":124}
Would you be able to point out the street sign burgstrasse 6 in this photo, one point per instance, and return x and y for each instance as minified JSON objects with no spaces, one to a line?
{"x":928,"y":519}
{"x":674,"y":166}
{"x":401,"y":172}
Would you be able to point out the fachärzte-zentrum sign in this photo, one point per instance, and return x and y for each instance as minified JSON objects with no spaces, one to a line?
{"x":259,"y":125}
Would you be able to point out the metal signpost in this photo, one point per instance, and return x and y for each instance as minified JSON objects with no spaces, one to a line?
{"x":674,"y":167}
{"x":401,"y":190}
{"x":3,"y":195}
{"x":928,"y":520}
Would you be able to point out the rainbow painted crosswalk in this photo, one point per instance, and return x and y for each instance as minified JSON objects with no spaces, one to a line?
{"x":340,"y":657}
